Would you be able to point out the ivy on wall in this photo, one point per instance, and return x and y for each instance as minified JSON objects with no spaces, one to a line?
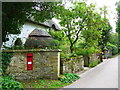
{"x":6,"y":58}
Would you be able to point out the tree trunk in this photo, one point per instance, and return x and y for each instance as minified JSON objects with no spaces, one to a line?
{"x":71,"y":48}
{"x":100,"y":56}
{"x":1,"y":45}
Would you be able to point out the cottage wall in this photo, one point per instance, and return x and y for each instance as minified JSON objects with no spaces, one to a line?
{"x":25,"y":31}
{"x":46,"y":64}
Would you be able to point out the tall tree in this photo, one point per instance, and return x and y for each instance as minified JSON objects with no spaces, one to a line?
{"x":80,"y":17}
{"x":105,"y":28}
{"x":14,"y":15}
{"x":118,"y":23}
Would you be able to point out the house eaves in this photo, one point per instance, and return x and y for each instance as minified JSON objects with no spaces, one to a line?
{"x":42,"y":24}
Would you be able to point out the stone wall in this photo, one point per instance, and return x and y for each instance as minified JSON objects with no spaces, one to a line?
{"x":72,"y":66}
{"x":46,"y":64}
{"x":89,"y":59}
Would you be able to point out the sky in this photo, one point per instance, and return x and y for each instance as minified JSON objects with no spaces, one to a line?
{"x":111,"y":8}
{"x":112,"y":13}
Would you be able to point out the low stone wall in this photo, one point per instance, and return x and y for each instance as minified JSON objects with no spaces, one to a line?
{"x":46,"y":64}
{"x":89,"y":59}
{"x":72,"y":66}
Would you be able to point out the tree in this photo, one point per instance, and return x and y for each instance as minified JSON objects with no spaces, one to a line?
{"x":114,"y":39}
{"x":15,"y":14}
{"x":105,"y":29}
{"x":80,"y":17}
{"x":118,"y":23}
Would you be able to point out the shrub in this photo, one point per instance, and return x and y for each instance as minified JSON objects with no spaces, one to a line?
{"x":18,"y":42}
{"x":94,"y":63}
{"x":112,"y":47}
{"x":69,"y":77}
{"x":18,"y":47}
{"x":6,"y":58}
{"x":9,"y":83}
{"x":73,"y":55}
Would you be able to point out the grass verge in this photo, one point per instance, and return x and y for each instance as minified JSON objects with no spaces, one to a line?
{"x":44,"y":84}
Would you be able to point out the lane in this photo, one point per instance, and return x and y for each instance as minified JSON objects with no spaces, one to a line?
{"x":104,"y":75}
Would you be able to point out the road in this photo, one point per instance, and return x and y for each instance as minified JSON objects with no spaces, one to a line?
{"x":104,"y":75}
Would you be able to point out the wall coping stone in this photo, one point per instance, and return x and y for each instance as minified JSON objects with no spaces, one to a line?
{"x":33,"y":50}
{"x":71,"y":59}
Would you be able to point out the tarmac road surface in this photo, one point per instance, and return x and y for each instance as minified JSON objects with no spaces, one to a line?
{"x":104,"y":75}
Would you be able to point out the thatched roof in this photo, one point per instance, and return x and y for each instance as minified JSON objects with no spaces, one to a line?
{"x":39,"y":38}
{"x":38,"y":32}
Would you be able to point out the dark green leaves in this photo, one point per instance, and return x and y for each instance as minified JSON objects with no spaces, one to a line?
{"x":69,"y":77}
{"x":9,"y":83}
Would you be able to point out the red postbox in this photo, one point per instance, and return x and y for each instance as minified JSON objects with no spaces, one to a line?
{"x":29,"y":61}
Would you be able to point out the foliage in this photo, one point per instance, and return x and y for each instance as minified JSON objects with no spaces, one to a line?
{"x":69,"y":77}
{"x":6,"y":58}
{"x":15,"y":14}
{"x":85,"y":50}
{"x":60,"y":43}
{"x":118,"y":23}
{"x":58,"y":35}
{"x":17,"y":47}
{"x":114,"y":39}
{"x":106,"y":29}
{"x":118,"y":13}
{"x":8,"y":82}
{"x":80,"y":18}
{"x":112,"y":47}
{"x":94,"y":63}
{"x":18,"y":42}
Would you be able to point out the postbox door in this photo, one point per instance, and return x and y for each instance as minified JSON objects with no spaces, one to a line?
{"x":29,"y":61}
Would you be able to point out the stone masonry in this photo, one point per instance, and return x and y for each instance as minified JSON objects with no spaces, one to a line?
{"x":72,"y":66}
{"x":89,"y":59}
{"x":46,"y":64}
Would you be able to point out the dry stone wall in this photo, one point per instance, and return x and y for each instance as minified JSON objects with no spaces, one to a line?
{"x":72,"y":66}
{"x":89,"y":59}
{"x":46,"y":64}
